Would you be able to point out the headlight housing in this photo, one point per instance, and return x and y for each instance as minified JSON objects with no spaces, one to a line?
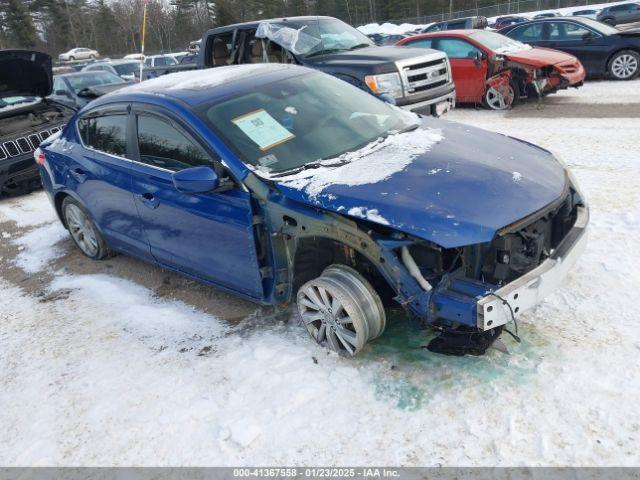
{"x":386,"y":83}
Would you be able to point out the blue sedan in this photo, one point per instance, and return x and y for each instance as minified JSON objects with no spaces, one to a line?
{"x":283,"y":184}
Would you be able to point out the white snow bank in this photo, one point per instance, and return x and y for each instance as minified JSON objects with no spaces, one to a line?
{"x":389,"y":28}
{"x":28,"y":210}
{"x":159,"y":324}
{"x":38,"y":247}
{"x":376,"y":162}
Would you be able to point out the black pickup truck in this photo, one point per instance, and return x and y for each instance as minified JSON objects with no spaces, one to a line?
{"x":418,"y":79}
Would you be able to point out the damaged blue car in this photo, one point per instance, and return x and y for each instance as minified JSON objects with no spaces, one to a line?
{"x":286,"y":185}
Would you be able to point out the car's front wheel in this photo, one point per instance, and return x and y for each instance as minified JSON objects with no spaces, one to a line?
{"x":72,"y":58}
{"x":625,"y":65}
{"x":83,"y":230}
{"x":92,"y":56}
{"x":341,"y":310}
{"x":500,"y":99}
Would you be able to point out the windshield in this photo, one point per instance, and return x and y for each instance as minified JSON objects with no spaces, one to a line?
{"x":295,"y":122}
{"x":86,"y":80}
{"x":314,"y":37}
{"x":127,"y":68}
{"x":498,"y":43}
{"x":603,"y":28}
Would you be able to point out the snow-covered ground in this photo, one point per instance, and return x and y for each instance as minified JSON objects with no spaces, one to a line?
{"x":394,"y":29}
{"x":101,"y":372}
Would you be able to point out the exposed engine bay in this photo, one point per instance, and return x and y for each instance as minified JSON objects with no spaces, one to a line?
{"x":21,"y":132}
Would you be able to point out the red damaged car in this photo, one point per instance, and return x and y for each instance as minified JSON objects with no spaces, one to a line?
{"x":497,"y":71}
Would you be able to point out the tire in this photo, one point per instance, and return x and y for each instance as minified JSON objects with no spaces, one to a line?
{"x":72,"y":58}
{"x":609,"y":21}
{"x":92,"y":56}
{"x":624,"y":65}
{"x":83,"y":230}
{"x":494,"y":100}
{"x":341,"y":310}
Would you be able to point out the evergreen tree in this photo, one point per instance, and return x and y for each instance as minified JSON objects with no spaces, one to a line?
{"x":18,"y":25}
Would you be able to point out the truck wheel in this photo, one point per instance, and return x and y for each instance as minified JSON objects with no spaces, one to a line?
{"x":624,"y":65}
{"x":495,"y":100}
{"x":83,"y":231}
{"x":341,"y":310}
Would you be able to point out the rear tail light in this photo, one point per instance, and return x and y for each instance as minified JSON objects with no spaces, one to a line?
{"x":39,"y":157}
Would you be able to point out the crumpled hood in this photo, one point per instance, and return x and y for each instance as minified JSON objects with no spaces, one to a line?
{"x":25,"y":73}
{"x":465,"y":185}
{"x":368,"y":55}
{"x":539,"y":57}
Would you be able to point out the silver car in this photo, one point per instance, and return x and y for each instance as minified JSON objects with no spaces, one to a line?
{"x":78,"y":54}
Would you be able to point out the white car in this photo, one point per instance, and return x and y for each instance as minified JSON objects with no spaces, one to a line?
{"x":160,"y":61}
{"x":78,"y":54}
{"x":133,"y":56}
{"x":591,"y":13}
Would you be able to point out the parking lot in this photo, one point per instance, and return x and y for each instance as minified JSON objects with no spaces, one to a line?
{"x":118,"y":362}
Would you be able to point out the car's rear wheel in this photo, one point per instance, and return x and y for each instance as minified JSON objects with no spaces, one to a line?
{"x":500,"y":99}
{"x":625,"y":65}
{"x":83,"y":230}
{"x":341,"y":310}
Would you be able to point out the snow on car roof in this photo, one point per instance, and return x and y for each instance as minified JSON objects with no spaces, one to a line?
{"x":207,"y":78}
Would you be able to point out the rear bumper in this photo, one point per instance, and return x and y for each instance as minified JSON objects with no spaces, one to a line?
{"x":528,"y":290}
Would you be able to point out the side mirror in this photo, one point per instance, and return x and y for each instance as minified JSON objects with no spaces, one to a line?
{"x":587,"y":35}
{"x":196,"y":180}
{"x":480,"y":55}
{"x":386,"y":98}
{"x":63,"y":93}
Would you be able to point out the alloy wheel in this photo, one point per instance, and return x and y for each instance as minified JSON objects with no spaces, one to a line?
{"x":340,"y":310}
{"x":624,"y":66}
{"x":497,"y":100}
{"x":81,"y":230}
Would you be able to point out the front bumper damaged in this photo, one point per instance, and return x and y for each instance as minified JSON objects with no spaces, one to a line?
{"x":527,"y":291}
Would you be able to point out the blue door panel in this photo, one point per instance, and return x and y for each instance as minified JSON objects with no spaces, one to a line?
{"x":103,"y":183}
{"x":209,"y":236}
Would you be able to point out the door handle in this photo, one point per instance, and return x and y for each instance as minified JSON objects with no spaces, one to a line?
{"x":79,"y":174}
{"x":148,"y":200}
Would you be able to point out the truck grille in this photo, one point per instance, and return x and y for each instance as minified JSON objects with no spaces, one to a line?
{"x":26,"y":144}
{"x":423,"y":74}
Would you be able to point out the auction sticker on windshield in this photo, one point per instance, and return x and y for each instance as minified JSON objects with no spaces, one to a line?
{"x":263,"y":129}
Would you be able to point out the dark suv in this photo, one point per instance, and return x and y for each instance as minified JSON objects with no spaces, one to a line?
{"x":26,"y":117}
{"x":417,"y":79}
{"x":623,"y":13}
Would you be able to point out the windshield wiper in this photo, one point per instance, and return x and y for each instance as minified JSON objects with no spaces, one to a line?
{"x":360,"y":45}
{"x":325,"y":52}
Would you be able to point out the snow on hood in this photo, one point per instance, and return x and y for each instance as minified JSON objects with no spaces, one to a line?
{"x":375,"y":162}
{"x":448,"y":183}
{"x":513,"y":46}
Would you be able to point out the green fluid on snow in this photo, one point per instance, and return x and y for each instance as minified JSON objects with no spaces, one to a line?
{"x":408,"y":375}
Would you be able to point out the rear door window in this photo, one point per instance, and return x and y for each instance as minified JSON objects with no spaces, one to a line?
{"x":105,"y":133}
{"x":527,"y":33}
{"x":220,"y":49}
{"x":162,"y":145}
